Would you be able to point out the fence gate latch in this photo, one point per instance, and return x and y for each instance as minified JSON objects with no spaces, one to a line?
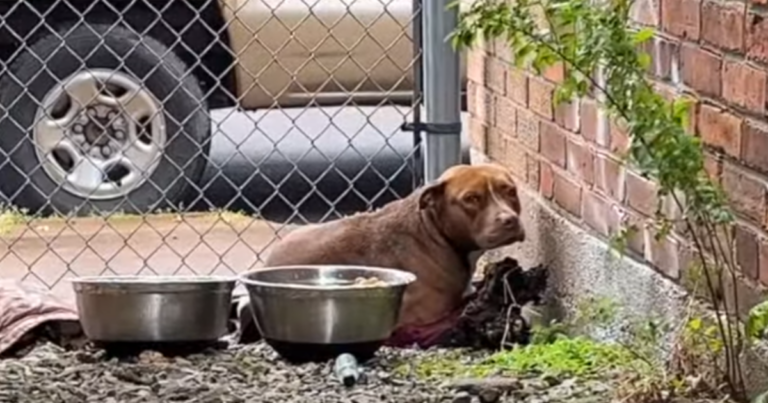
{"x":432,"y":128}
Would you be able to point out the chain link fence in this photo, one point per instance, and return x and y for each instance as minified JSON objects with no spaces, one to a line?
{"x":181,"y":137}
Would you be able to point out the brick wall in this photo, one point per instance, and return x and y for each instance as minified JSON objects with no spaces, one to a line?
{"x":713,"y":51}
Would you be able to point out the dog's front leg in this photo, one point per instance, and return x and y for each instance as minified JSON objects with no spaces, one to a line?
{"x":472,"y":259}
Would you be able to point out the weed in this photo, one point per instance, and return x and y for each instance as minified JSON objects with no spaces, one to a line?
{"x":11,"y":219}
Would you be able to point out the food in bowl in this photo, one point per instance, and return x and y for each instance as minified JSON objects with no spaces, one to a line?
{"x":369,"y":282}
{"x":316,"y":312}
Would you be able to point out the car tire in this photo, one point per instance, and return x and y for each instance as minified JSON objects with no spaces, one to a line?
{"x":44,"y":177}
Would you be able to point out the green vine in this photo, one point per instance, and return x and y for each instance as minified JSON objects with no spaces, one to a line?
{"x":599,"y":49}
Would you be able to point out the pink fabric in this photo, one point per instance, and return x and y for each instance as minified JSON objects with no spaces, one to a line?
{"x":24,"y":307}
{"x":424,"y":336}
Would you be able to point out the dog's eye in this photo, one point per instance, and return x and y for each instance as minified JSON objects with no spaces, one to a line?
{"x":472,"y":198}
{"x":508,"y":191}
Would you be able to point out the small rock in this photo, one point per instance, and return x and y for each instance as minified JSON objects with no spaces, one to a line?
{"x":550,"y":379}
{"x":152,"y":357}
{"x":536,"y":384}
{"x":462,"y":397}
{"x":475,"y":385}
{"x":489,"y":395}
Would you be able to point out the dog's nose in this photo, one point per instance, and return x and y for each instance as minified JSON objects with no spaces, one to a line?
{"x":506,"y":219}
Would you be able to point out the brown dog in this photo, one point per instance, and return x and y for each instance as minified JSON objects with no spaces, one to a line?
{"x":430,"y":233}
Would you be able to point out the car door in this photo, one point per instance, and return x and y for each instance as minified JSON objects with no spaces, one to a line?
{"x":293,"y":52}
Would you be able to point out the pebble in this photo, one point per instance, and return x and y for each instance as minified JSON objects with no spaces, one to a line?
{"x":255,"y":374}
{"x":489,"y":395}
{"x":462,"y":397}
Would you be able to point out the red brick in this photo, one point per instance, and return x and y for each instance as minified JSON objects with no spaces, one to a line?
{"x":641,"y":194}
{"x":496,"y":76}
{"x":579,"y":161}
{"x":506,"y":116}
{"x":671,"y":94}
{"x":480,"y":103}
{"x":722,"y":24}
{"x":567,"y":194}
{"x":619,"y":138}
{"x":502,"y":51}
{"x":747,"y":254}
{"x":757,"y":37}
{"x":713,"y":164}
{"x":517,"y":86}
{"x":700,"y":69}
{"x":546,"y":180}
{"x":598,"y":213}
{"x":495,"y":145}
{"x":746,"y":193}
{"x":553,"y":143}
{"x":540,"y":95}
{"x":476,"y":67}
{"x":763,"y":263}
{"x":744,"y":86}
{"x":663,"y":53}
{"x":533,"y":170}
{"x":478,"y":134}
{"x":513,"y":157}
{"x":567,"y":115}
{"x":720,"y":129}
{"x":681,"y":18}
{"x":645,"y":12}
{"x":528,"y":129}
{"x":636,"y":239}
{"x":554,"y":73}
{"x":664,"y":254}
{"x":589,"y":119}
{"x":742,"y":294}
{"x":754,"y":144}
{"x":610,"y":177}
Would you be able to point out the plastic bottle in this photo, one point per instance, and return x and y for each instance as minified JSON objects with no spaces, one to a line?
{"x":346,"y":369}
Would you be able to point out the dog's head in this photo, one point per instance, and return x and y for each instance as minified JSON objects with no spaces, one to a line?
{"x":477,"y":206}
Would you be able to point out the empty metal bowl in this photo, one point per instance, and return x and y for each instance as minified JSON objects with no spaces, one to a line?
{"x":309,"y":313}
{"x":154,"y":308}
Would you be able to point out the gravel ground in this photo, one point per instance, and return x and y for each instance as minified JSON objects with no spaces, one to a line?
{"x":254,"y":373}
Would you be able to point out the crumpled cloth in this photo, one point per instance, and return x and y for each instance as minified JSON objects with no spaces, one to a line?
{"x":423,"y":336}
{"x":24,"y":307}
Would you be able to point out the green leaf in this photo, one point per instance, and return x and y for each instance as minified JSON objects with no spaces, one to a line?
{"x":694,"y":325}
{"x":644,"y":59}
{"x":757,"y":321}
{"x":642,"y":35}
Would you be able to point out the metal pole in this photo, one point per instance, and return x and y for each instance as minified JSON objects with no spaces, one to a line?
{"x":418,"y":93}
{"x":442,"y":89}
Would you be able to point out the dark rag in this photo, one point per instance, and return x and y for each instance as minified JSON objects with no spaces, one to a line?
{"x":24,"y":307}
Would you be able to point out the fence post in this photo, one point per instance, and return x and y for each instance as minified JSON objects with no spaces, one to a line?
{"x":442,"y":89}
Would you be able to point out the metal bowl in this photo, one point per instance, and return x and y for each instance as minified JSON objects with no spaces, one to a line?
{"x":315,"y":312}
{"x":154,"y":309}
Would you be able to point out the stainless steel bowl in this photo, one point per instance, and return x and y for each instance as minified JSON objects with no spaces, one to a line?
{"x":154,"y":308}
{"x":312,"y":306}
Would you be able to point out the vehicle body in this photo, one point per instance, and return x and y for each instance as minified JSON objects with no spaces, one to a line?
{"x":99,"y":59}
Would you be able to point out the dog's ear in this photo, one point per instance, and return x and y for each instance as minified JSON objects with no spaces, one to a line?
{"x":431,"y":194}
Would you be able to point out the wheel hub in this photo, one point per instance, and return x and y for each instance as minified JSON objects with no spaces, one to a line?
{"x":99,"y":131}
{"x":100,"y":134}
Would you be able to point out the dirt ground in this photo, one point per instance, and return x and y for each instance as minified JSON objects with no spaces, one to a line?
{"x":49,"y":251}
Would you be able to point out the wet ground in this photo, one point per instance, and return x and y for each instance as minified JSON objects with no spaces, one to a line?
{"x":48,"y":251}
